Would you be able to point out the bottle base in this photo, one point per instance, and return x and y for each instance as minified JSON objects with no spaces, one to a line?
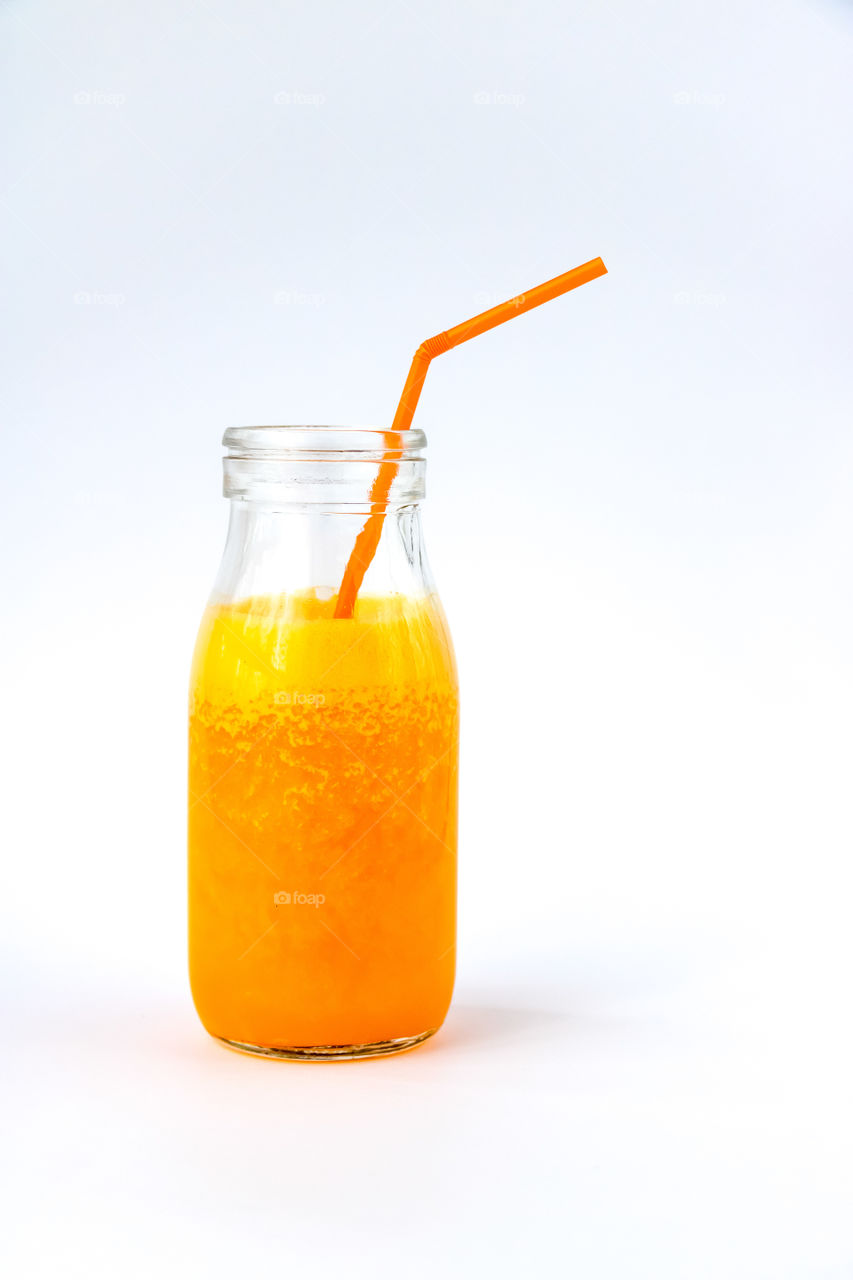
{"x":329,"y":1052}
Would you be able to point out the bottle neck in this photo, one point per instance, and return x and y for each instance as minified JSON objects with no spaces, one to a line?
{"x":277,"y":547}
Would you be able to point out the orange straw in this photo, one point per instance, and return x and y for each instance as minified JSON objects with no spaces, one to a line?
{"x":368,"y":539}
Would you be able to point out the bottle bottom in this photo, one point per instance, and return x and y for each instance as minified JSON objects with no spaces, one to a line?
{"x":329,"y":1052}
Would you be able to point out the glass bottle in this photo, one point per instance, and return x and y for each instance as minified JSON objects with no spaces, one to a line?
{"x":323,"y":759}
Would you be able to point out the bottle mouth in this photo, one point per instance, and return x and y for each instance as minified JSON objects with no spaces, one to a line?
{"x":322,"y":466}
{"x":357,"y":444}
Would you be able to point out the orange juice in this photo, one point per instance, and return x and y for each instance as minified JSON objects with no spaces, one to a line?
{"x":322,"y":827}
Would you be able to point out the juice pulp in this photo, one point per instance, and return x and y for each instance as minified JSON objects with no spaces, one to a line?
{"x":322,"y":827}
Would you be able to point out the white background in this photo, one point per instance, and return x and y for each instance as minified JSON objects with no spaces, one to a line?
{"x":639,"y":517}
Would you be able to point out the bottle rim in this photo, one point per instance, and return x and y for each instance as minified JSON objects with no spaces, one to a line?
{"x":323,"y":443}
{"x":324,"y":467}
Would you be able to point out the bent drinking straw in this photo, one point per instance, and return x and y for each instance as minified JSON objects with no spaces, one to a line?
{"x":368,"y":539}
